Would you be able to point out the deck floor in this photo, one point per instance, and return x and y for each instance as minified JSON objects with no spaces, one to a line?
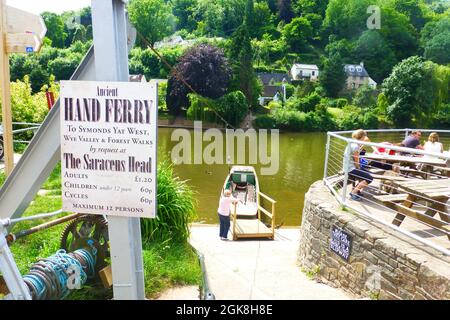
{"x":370,"y":207}
{"x":251,"y":228}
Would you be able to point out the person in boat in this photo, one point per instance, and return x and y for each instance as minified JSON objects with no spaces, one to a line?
{"x":224,"y":213}
{"x":352,"y":162}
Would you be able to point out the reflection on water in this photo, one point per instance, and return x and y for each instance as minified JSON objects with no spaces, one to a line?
{"x":301,"y":163}
{"x":302,"y":157}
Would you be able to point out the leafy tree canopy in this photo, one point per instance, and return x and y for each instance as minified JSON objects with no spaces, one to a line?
{"x":152,"y":18}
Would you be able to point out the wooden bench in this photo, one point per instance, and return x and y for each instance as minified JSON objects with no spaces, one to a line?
{"x":391,"y":200}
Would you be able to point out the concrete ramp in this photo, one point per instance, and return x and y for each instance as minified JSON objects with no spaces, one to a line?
{"x":258,"y":269}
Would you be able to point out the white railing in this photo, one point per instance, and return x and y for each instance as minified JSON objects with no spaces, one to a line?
{"x":410,"y":193}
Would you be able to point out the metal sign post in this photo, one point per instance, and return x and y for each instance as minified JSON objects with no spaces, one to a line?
{"x":111,"y":64}
{"x":20,"y":32}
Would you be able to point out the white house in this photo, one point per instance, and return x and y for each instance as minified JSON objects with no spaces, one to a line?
{"x":304,"y":71}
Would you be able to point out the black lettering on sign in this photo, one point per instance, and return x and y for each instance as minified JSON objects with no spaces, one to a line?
{"x":340,"y":242}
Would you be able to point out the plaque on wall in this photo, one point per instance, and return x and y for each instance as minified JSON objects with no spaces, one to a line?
{"x":340,"y":242}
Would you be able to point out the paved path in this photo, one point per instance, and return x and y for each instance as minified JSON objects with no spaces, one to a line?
{"x":252,"y":269}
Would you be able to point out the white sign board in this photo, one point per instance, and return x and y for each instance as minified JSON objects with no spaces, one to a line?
{"x":109,"y":148}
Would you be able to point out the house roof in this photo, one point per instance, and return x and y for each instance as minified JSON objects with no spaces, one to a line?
{"x":137,"y":78}
{"x":271,"y":91}
{"x":266,"y":78}
{"x":355,"y":70}
{"x":306,"y":66}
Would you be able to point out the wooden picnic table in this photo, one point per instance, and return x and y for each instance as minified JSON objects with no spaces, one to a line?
{"x":435,"y":192}
{"x":409,"y":159}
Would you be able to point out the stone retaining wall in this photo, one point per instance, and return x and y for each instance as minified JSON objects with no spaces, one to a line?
{"x":383,"y":263}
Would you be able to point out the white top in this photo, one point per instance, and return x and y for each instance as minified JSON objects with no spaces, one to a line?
{"x":435,"y":147}
{"x":224,"y":205}
{"x":354,"y":147}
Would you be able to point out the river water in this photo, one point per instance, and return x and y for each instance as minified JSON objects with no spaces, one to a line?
{"x":301,"y":163}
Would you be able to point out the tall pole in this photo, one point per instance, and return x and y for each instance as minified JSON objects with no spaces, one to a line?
{"x":6,"y":94}
{"x":111,"y":64}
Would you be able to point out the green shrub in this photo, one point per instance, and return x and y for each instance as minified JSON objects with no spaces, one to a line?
{"x":274,"y":104}
{"x":175,"y":209}
{"x":232,"y":107}
{"x":305,"y":104}
{"x":264,"y":121}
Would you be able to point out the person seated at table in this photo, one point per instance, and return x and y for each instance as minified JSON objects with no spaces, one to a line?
{"x":366,"y":163}
{"x":434,"y":146}
{"x":352,"y":162}
{"x":412,"y":141}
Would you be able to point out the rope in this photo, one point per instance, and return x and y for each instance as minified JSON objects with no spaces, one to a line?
{"x":48,"y":278}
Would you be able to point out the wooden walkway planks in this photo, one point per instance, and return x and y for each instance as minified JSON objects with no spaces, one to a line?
{"x":251,"y":228}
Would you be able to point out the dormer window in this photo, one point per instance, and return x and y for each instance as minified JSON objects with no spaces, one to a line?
{"x":359,"y":69}
{"x":351,"y":68}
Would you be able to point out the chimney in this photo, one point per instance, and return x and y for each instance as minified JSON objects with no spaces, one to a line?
{"x":361,"y":64}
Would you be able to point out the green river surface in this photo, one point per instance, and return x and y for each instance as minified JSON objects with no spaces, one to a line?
{"x":301,"y":163}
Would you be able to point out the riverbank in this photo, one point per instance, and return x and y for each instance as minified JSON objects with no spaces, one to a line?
{"x":258,"y":269}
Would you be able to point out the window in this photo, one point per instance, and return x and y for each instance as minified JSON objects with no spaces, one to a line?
{"x":313,"y":73}
{"x":351,"y":68}
{"x":359,"y":69}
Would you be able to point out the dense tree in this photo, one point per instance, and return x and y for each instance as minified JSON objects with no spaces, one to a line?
{"x":365,"y":97}
{"x":369,"y":48}
{"x":55,"y":29}
{"x":410,"y":92}
{"x":414,"y":10}
{"x":219,"y":18}
{"x":241,"y":55}
{"x":183,"y":11}
{"x":152,"y":18}
{"x":342,"y":47}
{"x":435,"y":38}
{"x":263,"y":21}
{"x":205,"y":69}
{"x":319,"y":7}
{"x":285,"y":10}
{"x":399,"y":33}
{"x":438,"y":48}
{"x":346,"y":18}
{"x":297,"y":34}
{"x":333,"y":78}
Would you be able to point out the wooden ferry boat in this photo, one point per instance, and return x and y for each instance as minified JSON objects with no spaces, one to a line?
{"x":246,"y":215}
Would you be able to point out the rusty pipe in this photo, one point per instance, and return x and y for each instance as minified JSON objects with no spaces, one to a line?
{"x":10,"y":238}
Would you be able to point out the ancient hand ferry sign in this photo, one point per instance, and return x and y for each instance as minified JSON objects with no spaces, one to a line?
{"x":108,"y":147}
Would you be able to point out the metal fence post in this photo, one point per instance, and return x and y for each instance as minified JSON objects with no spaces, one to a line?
{"x":327,"y":152}
{"x":347,"y":159}
{"x":111,"y":64}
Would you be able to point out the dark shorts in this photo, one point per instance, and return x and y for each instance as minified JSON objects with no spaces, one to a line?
{"x":381,"y":165}
{"x":358,"y":174}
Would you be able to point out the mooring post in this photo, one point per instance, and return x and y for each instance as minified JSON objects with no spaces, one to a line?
{"x":111,"y":64}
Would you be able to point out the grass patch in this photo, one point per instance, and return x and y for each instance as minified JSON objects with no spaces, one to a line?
{"x":168,"y":265}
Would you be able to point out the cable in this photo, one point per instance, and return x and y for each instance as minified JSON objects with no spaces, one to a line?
{"x":48,"y":278}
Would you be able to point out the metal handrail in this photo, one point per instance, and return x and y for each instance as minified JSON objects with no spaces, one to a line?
{"x":336,"y":152}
